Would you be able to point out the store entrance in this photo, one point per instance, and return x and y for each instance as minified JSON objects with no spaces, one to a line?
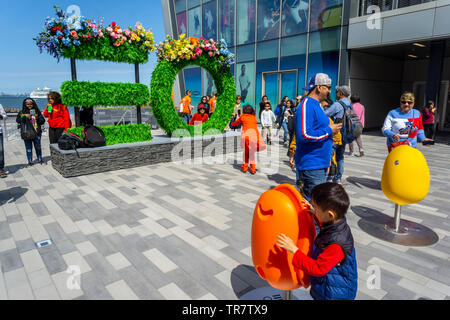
{"x":443,"y":110}
{"x":276,"y":85}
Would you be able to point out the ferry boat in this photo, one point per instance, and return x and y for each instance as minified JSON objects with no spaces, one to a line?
{"x":40,"y":93}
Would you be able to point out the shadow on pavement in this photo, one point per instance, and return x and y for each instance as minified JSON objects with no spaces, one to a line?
{"x":379,"y":225}
{"x":365,"y":182}
{"x":11,"y":195}
{"x":239,"y":280}
{"x":280,"y":179}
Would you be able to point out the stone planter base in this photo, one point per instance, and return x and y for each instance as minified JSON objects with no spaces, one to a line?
{"x":130,"y":155}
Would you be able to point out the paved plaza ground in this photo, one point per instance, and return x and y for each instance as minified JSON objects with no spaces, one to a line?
{"x":173,"y":231}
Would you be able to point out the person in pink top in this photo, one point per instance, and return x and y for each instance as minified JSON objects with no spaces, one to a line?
{"x":360,"y":112}
{"x":428,"y":119}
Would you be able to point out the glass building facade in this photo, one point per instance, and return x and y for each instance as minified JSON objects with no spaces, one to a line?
{"x":278,"y":44}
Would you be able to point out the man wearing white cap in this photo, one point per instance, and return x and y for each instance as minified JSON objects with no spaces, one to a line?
{"x":314,"y":135}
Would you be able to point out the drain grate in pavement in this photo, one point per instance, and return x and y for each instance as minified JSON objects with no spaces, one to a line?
{"x":44,"y":243}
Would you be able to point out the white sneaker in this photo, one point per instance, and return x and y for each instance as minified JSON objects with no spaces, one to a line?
{"x":338,"y":181}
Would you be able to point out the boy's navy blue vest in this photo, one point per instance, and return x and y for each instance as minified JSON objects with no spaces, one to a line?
{"x":341,"y":282}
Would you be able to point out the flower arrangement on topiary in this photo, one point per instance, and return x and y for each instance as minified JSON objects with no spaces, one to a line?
{"x":193,"y":48}
{"x":174,"y":56}
{"x":82,"y":38}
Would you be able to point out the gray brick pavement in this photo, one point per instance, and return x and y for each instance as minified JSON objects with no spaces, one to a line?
{"x":172,"y":231}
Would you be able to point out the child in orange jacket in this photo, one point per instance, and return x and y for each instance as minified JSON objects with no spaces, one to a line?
{"x":251,"y":139}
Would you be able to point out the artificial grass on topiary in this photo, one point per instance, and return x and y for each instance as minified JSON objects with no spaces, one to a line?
{"x":163,"y":78}
{"x":129,"y":133}
{"x":102,"y":49}
{"x":91,"y":94}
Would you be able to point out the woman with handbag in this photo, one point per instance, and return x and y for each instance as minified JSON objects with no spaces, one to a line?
{"x":30,"y":120}
{"x":404,"y":125}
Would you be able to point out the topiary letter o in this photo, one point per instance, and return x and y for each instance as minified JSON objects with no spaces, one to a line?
{"x":163,"y":79}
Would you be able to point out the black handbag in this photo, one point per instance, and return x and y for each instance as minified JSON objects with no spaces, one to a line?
{"x":27,"y":131}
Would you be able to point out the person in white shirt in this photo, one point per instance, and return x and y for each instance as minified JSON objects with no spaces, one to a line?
{"x":3,"y":116}
{"x":267,"y":121}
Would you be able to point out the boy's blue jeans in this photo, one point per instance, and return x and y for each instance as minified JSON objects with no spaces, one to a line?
{"x":37,"y":146}
{"x":311,"y":178}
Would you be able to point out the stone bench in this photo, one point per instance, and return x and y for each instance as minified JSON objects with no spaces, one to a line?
{"x":130,"y":155}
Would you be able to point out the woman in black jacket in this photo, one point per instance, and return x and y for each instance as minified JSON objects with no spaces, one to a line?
{"x":30,"y":120}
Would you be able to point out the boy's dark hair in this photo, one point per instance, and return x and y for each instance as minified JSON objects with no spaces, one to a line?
{"x":187,"y":91}
{"x":355,"y":98}
{"x":331,"y":196}
{"x":248,"y":109}
{"x":56,"y":96}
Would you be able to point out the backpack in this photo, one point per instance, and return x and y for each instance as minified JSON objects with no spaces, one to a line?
{"x":93,"y":136}
{"x":280,"y":116}
{"x":70,"y":141}
{"x":351,"y":125}
{"x":291,"y":122}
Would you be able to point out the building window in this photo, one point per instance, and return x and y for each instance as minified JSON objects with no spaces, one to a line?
{"x":245,"y":85}
{"x":193,"y":82}
{"x":210,"y":20}
{"x":226,"y":24}
{"x":268,"y":19}
{"x":325,"y":14}
{"x":245,"y":24}
{"x":195,"y":22}
{"x":293,"y":56}
{"x":193,"y":3}
{"x":267,"y":50}
{"x":181,"y":23}
{"x":295,"y":17}
{"x":326,"y":40}
{"x":208,"y":83}
{"x":180,"y":6}
{"x":245,"y":53}
{"x":324,"y":55}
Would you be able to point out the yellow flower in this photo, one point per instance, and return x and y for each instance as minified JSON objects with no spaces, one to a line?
{"x":182,"y":36}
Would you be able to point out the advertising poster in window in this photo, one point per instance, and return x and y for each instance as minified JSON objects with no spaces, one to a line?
{"x":181,"y":23}
{"x":226,"y":13}
{"x":246,"y":13}
{"x":210,"y":20}
{"x":325,"y":14}
{"x":195,"y":22}
{"x":245,"y":81}
{"x":295,"y":17}
{"x":268,"y":19}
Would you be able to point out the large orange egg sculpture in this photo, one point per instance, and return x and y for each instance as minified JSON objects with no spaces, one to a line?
{"x":281,"y":210}
{"x":406,"y":177}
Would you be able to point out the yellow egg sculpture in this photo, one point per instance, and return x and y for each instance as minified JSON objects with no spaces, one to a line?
{"x":406,"y":177}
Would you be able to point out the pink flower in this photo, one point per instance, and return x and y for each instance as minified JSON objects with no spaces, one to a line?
{"x":109,"y":29}
{"x":210,"y":53}
{"x":129,"y":41}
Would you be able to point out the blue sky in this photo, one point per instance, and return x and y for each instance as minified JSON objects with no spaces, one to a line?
{"x":23,"y":68}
